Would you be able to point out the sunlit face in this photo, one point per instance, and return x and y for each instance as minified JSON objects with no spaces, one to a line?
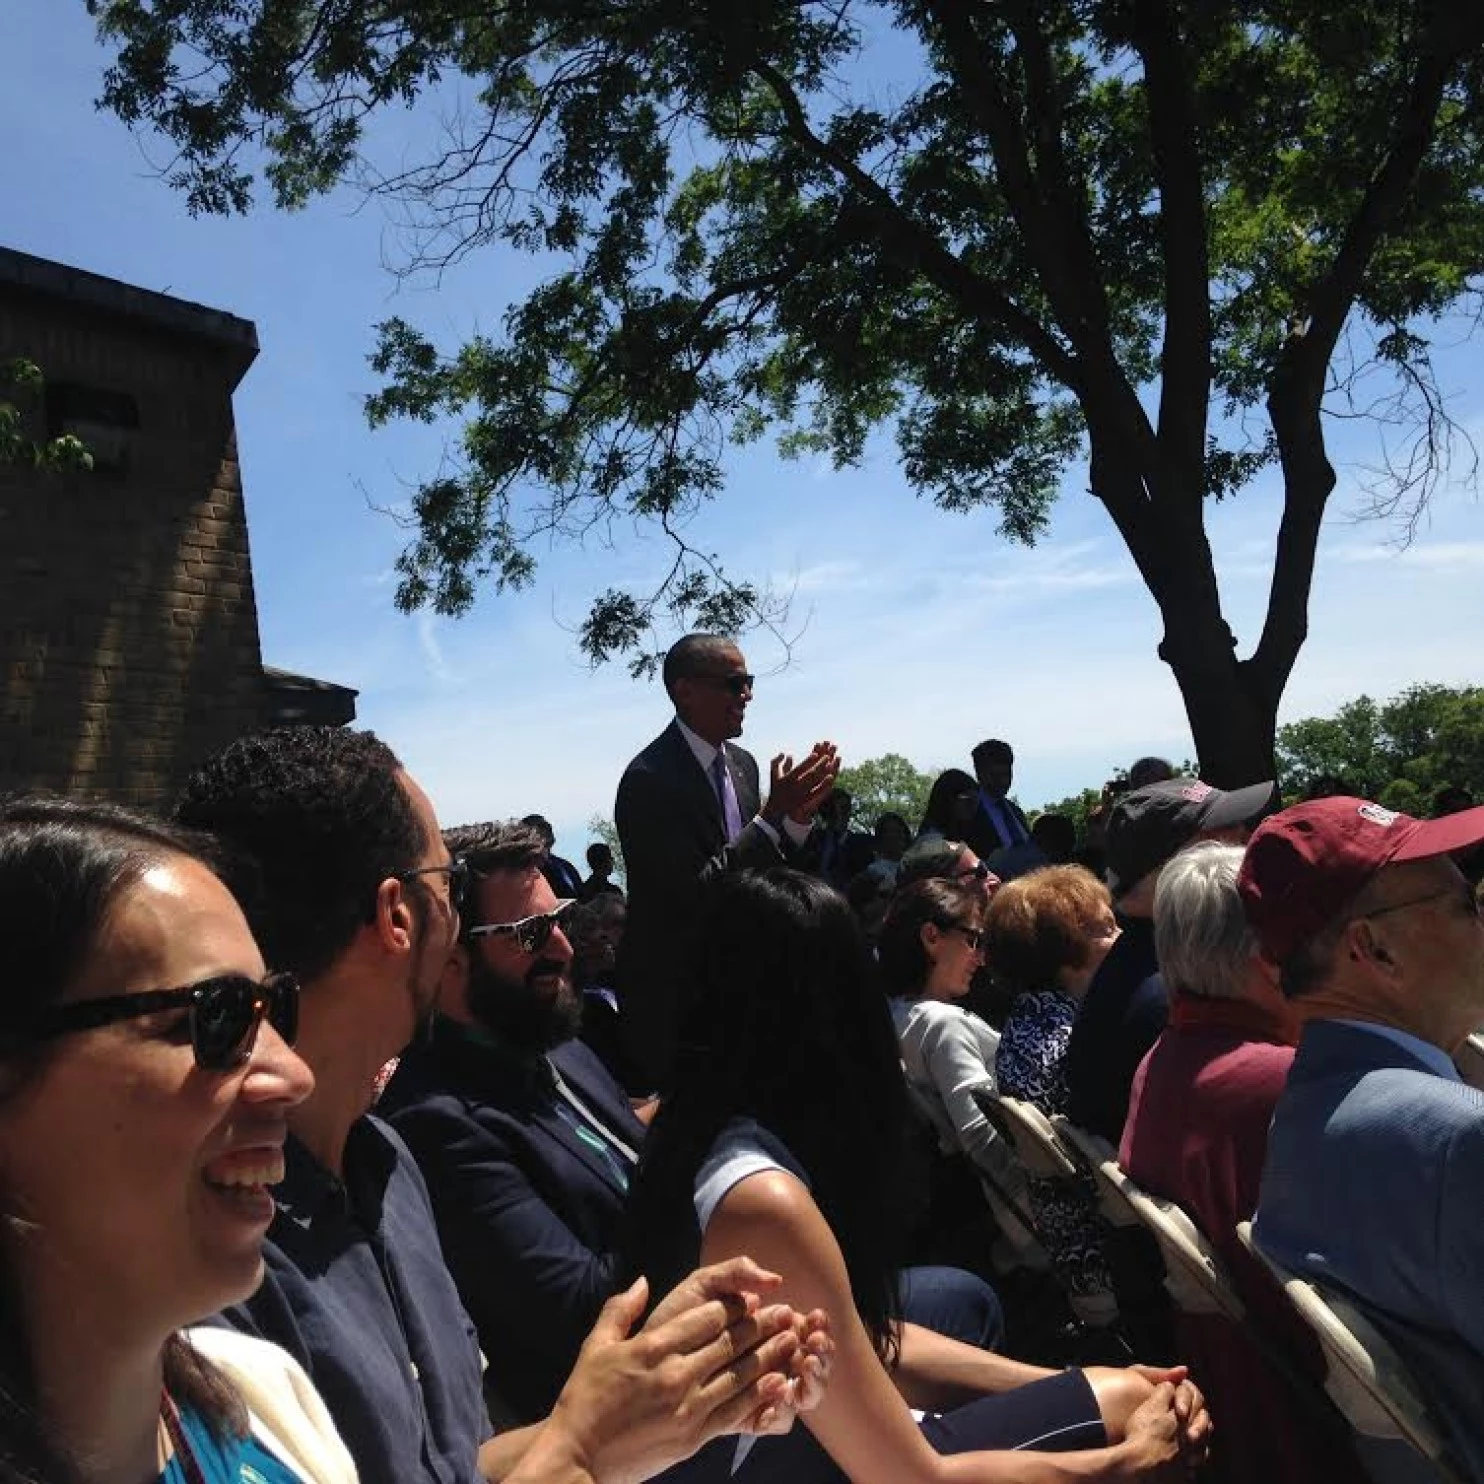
{"x":1102,"y":933}
{"x":955,"y":952}
{"x":438,"y":915}
{"x":712,"y":700}
{"x":971,"y":871}
{"x":1426,"y":915}
{"x":527,"y":998}
{"x":141,"y":1181}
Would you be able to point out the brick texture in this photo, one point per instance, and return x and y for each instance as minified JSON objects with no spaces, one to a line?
{"x":128,"y":627}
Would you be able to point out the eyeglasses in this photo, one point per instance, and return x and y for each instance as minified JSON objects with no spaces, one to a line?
{"x":737,"y":684}
{"x":531,"y":934}
{"x":226,"y":1012}
{"x":1464,"y":894}
{"x":972,"y":936}
{"x":457,"y":872}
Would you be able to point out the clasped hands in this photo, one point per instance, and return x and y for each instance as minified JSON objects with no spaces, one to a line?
{"x":712,"y":1359}
{"x":796,"y":791}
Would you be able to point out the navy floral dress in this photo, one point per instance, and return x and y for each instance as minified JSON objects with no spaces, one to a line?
{"x":1031,"y":1065}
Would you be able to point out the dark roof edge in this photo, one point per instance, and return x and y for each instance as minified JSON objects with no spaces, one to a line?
{"x":44,"y":276}
{"x":288,"y":680}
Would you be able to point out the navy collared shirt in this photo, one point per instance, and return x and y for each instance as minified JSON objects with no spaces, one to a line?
{"x":357,"y":1292}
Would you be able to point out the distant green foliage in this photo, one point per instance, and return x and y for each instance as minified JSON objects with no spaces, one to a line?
{"x":600,"y":827}
{"x":1400,"y":752}
{"x":21,"y":388}
{"x":886,"y":784}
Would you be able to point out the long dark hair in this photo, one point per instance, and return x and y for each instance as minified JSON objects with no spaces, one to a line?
{"x":905,"y":965}
{"x":938,"y":812}
{"x":63,"y":867}
{"x":782,"y":1022}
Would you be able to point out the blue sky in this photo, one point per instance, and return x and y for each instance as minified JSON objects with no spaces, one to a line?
{"x":915,"y":631}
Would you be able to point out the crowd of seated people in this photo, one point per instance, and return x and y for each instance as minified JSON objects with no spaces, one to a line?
{"x":555,"y":1251}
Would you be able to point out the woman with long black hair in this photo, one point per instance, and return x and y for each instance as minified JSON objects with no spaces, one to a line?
{"x":781,"y":1138}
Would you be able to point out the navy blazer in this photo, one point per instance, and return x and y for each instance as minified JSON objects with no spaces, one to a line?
{"x":674,"y":842}
{"x":1374,"y":1185}
{"x":528,"y":1212}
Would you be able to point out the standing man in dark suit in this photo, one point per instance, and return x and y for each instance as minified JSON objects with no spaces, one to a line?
{"x":999,"y":823}
{"x":689,"y":807}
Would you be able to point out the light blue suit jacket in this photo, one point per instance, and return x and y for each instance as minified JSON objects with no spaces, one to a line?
{"x":1374,"y":1185}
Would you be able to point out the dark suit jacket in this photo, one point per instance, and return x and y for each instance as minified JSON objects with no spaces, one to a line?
{"x":983,"y":835}
{"x":670,"y":826}
{"x":527,"y":1211}
{"x":1372,"y":1185}
{"x":1122,"y":1015}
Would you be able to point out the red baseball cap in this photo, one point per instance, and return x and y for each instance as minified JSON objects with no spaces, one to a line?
{"x":1306,"y":863}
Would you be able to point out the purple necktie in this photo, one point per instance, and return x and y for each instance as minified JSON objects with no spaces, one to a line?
{"x":726,"y":793}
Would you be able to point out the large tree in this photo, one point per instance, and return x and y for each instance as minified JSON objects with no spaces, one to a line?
{"x":1160,"y":236}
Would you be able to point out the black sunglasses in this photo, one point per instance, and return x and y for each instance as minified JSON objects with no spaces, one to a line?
{"x":226,"y":1012}
{"x":972,"y":936}
{"x":737,"y":684}
{"x":531,"y":934}
{"x":457,"y":871}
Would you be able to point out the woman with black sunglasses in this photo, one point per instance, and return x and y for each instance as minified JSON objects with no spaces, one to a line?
{"x":930,"y":949}
{"x":145,"y":1082}
{"x":781,"y":1136}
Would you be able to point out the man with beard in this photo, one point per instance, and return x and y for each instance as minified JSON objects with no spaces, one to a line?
{"x":525,"y":1140}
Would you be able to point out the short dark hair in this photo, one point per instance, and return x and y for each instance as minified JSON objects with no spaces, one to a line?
{"x":598,"y":851}
{"x":493,"y":846}
{"x":992,"y":747}
{"x":542,"y":825}
{"x":930,"y":858}
{"x":497,"y":845}
{"x":890,"y":817}
{"x":1147,"y":770}
{"x":685,"y":656}
{"x":904,"y":960}
{"x":317,"y":819}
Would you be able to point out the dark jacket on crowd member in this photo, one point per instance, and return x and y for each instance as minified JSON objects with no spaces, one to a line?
{"x":1124,"y":1011}
{"x":674,"y":843}
{"x":525,"y":1161}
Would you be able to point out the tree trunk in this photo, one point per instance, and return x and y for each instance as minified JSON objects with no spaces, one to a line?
{"x":1232,"y":719}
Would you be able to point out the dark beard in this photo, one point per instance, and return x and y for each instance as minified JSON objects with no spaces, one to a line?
{"x":517,"y":1013}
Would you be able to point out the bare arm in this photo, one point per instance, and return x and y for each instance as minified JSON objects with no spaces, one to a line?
{"x":935,"y":1373}
{"x":862,"y":1421}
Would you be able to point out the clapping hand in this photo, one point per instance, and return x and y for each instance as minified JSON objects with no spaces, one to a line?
{"x":797,"y":791}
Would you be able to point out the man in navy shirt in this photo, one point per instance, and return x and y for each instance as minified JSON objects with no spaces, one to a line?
{"x":345,"y":879}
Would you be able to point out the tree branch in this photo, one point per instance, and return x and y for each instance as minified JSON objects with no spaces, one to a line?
{"x":1456,"y":31}
{"x":940,"y":266}
{"x":1185,"y":380}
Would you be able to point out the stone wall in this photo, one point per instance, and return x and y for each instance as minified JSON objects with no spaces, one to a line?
{"x":128,"y":627}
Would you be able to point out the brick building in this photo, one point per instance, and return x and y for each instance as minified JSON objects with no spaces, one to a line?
{"x":128,"y":623}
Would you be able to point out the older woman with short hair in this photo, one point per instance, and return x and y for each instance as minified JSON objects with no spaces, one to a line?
{"x":1046,"y":934}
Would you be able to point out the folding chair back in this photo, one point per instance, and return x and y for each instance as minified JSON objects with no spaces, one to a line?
{"x":1029,"y":1133}
{"x":1366,"y":1379}
{"x":1195,"y":1277}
